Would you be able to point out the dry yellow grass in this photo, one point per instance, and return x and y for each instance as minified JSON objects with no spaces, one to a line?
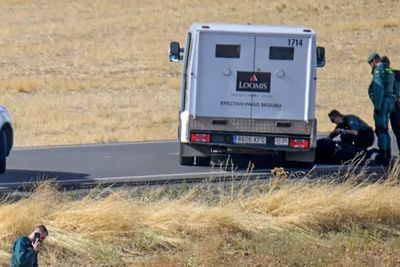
{"x":97,"y":71}
{"x":252,"y":224}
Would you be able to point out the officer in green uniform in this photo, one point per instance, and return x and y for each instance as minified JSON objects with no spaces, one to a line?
{"x":381,"y":93}
{"x":395,"y":115}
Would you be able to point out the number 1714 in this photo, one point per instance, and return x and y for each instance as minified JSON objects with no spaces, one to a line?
{"x":295,"y":42}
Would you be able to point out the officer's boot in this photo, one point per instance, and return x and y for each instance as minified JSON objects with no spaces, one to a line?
{"x":386,"y":157}
{"x":389,"y":155}
{"x":382,"y":158}
{"x":378,"y":159}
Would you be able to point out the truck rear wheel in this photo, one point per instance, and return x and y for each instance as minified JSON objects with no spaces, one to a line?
{"x":3,"y":151}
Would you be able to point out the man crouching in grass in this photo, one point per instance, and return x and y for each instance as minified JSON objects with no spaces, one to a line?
{"x":25,"y":249}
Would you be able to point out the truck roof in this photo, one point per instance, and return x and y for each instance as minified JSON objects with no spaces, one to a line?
{"x":251,"y":28}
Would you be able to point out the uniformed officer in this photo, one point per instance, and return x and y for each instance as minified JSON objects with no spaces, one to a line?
{"x":352,"y":130}
{"x":381,"y":93}
{"x":395,"y":114}
{"x":355,"y":137}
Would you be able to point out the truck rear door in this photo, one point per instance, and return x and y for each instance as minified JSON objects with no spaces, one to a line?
{"x":220,"y":57}
{"x":252,"y":76}
{"x":285,"y":60}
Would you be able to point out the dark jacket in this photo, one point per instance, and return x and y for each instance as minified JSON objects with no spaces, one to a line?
{"x":23,"y":254}
{"x":351,"y":122}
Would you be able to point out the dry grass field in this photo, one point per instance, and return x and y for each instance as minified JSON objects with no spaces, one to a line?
{"x":97,"y":71}
{"x":281,"y":223}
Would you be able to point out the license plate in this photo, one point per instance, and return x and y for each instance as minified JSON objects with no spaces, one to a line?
{"x":245,"y":139}
{"x":281,"y":141}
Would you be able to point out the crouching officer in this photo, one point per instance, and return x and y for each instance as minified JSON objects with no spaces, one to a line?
{"x":355,"y":137}
{"x":352,"y":130}
{"x":381,"y":93}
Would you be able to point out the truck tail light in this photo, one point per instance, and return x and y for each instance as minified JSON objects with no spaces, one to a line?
{"x":200,"y":138}
{"x":299,"y":143}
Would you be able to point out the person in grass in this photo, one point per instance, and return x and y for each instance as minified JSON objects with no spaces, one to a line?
{"x":26,"y":248}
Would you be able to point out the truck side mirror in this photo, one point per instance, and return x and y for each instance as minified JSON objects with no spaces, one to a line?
{"x":320,"y":56}
{"x":175,"y":52}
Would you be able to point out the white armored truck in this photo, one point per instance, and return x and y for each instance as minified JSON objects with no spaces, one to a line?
{"x":247,"y":89}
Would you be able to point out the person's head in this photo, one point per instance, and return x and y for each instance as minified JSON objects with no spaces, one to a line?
{"x":42,"y":230}
{"x":335,"y":116}
{"x":385,"y":60}
{"x":373,"y":59}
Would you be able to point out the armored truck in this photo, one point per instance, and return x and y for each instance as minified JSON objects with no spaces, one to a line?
{"x":247,"y":89}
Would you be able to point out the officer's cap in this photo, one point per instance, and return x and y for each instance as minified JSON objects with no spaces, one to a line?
{"x":372,"y":56}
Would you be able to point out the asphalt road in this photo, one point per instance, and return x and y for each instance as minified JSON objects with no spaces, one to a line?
{"x":97,"y":163}
{"x":136,"y":162}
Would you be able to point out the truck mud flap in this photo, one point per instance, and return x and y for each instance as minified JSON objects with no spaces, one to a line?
{"x":300,"y":156}
{"x":187,"y":150}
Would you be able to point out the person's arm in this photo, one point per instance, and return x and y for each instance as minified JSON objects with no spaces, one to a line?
{"x":396,"y":91}
{"x":335,"y":132}
{"x":24,"y":256}
{"x":338,"y":131}
{"x":377,"y":87}
{"x":352,"y":132}
{"x":353,"y":124}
